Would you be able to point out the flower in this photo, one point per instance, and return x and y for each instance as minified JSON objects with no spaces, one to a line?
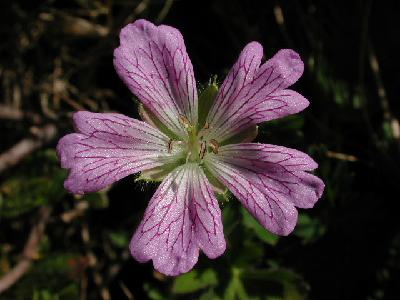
{"x":197,"y":147}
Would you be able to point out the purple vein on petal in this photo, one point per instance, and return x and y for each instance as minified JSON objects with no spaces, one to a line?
{"x":182,"y":217}
{"x":109,"y":147}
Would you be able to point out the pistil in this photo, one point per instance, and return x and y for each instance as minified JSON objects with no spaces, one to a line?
{"x":196,"y":144}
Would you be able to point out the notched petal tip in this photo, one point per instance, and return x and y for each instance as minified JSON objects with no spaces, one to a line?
{"x":290,"y":65}
{"x":253,"y":47}
{"x":284,"y":102}
{"x":136,"y":252}
{"x":152,"y":61}
{"x":182,"y":218}
{"x":72,"y":186}
{"x":108,"y":147}
{"x":254,"y":93}
{"x":85,"y":121}
{"x":64,"y":150}
{"x":138,"y":25}
{"x":270,"y":181}
{"x":217,"y":250}
{"x":319,"y":186}
{"x":312,"y":164}
{"x":288,"y":226}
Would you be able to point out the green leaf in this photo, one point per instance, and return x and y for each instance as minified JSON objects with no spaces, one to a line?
{"x":152,"y":292}
{"x":39,"y":181}
{"x":260,"y":231}
{"x":235,"y":289}
{"x":120,"y":239}
{"x":55,"y":277}
{"x":388,"y":129}
{"x":278,"y":283}
{"x":309,"y":229}
{"x":194,"y":281}
{"x":209,"y":295}
{"x":19,"y":195}
{"x":249,"y":252}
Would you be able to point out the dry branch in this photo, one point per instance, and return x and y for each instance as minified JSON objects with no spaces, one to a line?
{"x":26,"y":146}
{"x":10,"y":113}
{"x":29,"y":253}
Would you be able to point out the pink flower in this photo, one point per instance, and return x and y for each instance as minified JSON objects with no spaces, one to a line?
{"x":197,"y":147}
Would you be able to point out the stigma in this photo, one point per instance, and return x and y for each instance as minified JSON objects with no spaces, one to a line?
{"x":196,"y":145}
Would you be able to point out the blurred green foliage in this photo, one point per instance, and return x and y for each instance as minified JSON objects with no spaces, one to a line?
{"x":33,"y":185}
{"x":55,"y":277}
{"x":56,"y":58}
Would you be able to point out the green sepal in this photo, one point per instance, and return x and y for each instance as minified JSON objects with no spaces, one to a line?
{"x":151,"y":119}
{"x":245,"y":136}
{"x":219,"y":188}
{"x":224,"y":197}
{"x":206,"y":100}
{"x":157,"y":174}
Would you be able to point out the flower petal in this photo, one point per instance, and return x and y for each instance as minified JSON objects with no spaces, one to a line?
{"x":107,"y":148}
{"x":153,"y":63}
{"x":182,"y":217}
{"x":276,"y":105}
{"x":252,"y":94}
{"x":269,"y":181}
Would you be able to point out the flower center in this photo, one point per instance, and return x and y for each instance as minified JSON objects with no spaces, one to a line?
{"x":197,"y":144}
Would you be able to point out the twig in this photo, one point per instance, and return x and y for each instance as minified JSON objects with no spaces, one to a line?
{"x":10,"y":113}
{"x":26,"y":146}
{"x":341,"y":156}
{"x":29,"y":253}
{"x":126,"y":291}
{"x":387,"y":114}
{"x":76,"y":212}
{"x":164,"y":11}
{"x":141,"y":7}
{"x":280,"y":21}
{"x":98,"y":278}
{"x":7,"y":112}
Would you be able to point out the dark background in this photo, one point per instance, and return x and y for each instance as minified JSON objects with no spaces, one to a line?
{"x":56,"y":58}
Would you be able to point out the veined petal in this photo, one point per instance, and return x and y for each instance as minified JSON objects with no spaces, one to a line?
{"x":240,"y":76}
{"x":182,"y":217}
{"x":252,"y":94}
{"x":107,"y":148}
{"x":269,"y":181}
{"x":278,"y":104}
{"x":153,"y":63}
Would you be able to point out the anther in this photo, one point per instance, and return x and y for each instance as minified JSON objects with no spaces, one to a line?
{"x":214,"y":146}
{"x":170,"y":145}
{"x":205,"y":129}
{"x":203,"y":149}
{"x":184,"y":121}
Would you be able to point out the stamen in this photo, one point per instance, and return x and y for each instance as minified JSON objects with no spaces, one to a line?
{"x":214,"y":146}
{"x":205,"y":130}
{"x":184,"y":121}
{"x":203,"y":149}
{"x":170,"y":145}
